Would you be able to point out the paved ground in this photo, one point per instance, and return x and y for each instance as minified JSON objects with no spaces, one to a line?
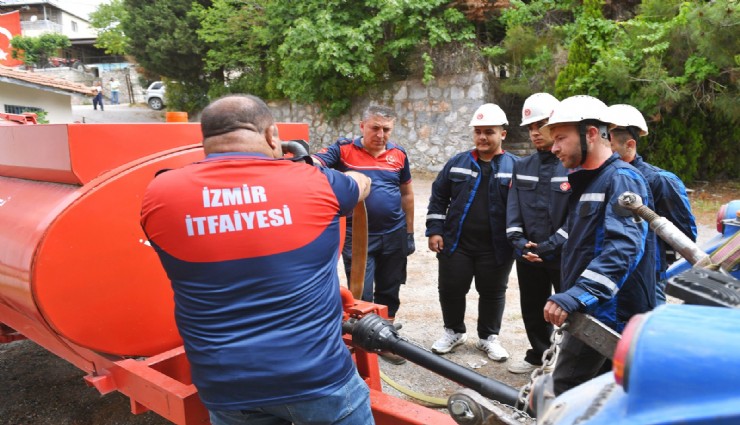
{"x":117,"y":114}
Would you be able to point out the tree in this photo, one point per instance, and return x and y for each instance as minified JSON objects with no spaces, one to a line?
{"x":534,"y":47}
{"x":36,"y":51}
{"x":591,"y":35}
{"x":163,"y":38}
{"x":107,"y":19}
{"x":674,"y":60}
{"x":325,"y":51}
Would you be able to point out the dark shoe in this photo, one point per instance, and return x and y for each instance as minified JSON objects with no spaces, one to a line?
{"x":392,"y":358}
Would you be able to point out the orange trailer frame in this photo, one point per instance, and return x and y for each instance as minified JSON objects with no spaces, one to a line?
{"x":105,"y":305}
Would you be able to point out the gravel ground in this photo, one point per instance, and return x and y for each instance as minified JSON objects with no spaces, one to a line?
{"x":38,"y":388}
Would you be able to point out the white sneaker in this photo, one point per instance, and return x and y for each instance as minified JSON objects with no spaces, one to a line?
{"x":449,"y":341}
{"x":493,"y":348}
{"x":522,"y":366}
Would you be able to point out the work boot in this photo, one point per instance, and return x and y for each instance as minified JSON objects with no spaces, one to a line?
{"x":449,"y":340}
{"x":492,"y":347}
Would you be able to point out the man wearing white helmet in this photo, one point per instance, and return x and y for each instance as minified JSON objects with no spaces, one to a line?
{"x":669,"y":193}
{"x":466,"y":226}
{"x":536,"y":212}
{"x":608,"y":260}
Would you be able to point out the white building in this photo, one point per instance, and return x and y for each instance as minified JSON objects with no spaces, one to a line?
{"x":24,"y":91}
{"x":49,"y":16}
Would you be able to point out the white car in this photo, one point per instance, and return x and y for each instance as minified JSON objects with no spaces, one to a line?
{"x":155,"y":95}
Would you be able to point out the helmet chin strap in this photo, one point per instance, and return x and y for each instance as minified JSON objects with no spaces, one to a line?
{"x":582,"y":127}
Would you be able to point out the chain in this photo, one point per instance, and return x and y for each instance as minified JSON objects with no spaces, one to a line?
{"x":517,"y":415}
{"x":548,"y":361}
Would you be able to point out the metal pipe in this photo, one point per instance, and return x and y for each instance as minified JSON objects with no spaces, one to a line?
{"x":665,"y":229}
{"x":373,"y":333}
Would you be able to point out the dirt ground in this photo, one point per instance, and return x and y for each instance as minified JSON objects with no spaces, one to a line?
{"x":38,"y":388}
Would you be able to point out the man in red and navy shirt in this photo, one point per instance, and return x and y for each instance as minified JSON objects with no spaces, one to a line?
{"x":390,"y":206}
{"x":252,"y":261}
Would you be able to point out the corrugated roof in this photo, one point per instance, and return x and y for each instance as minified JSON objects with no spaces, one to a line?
{"x":42,"y":81}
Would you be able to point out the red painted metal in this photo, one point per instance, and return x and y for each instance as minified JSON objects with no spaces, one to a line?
{"x":78,"y":277}
{"x":17,"y":119}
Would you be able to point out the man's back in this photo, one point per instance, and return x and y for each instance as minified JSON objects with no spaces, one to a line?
{"x":252,"y":260}
{"x":671,"y":201}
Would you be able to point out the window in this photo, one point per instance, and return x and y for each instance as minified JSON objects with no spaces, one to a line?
{"x":16,"y":109}
{"x":74,"y":26}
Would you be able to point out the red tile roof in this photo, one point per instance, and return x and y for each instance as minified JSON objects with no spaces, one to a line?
{"x":44,"y":81}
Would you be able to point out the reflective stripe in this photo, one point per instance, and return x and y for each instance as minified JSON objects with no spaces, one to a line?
{"x":436,"y":216}
{"x":466,"y":171}
{"x":600,"y":278}
{"x":503,"y":175}
{"x":562,"y":233}
{"x":530,"y":178}
{"x":593,"y":197}
{"x":514,"y":229}
{"x":559,"y":179}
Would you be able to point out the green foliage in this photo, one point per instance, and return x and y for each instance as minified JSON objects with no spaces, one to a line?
{"x":531,"y":46}
{"x":324,"y":51}
{"x":163,"y":37}
{"x":676,"y":144}
{"x":590,"y":40}
{"x":239,"y":46}
{"x":186,"y":96}
{"x":36,"y":51}
{"x":676,"y":61}
{"x":107,"y":20}
{"x":42,"y":116}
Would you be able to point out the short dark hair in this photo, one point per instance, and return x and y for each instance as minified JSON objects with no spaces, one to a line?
{"x":620,"y":134}
{"x":234,"y":112}
{"x":379,"y":110}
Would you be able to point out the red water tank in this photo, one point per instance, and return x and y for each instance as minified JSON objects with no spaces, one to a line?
{"x":75,"y":267}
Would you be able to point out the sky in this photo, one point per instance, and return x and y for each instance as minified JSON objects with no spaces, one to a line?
{"x":81,"y":7}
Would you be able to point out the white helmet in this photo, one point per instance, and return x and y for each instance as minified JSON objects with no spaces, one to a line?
{"x":627,"y":116}
{"x":488,"y":114}
{"x":538,"y":107}
{"x":576,"y":109}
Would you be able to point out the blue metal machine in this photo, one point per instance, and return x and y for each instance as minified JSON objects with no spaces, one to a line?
{"x":728,"y":223}
{"x":679,"y":364}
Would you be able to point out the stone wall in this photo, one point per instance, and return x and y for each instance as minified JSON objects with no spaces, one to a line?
{"x":432,"y":123}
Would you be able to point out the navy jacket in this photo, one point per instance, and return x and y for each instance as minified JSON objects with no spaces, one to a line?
{"x":672,"y":202}
{"x":452,"y":194}
{"x":608,"y":262}
{"x":537,"y":207}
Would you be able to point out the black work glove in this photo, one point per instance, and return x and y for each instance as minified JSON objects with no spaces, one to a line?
{"x":410,"y":243}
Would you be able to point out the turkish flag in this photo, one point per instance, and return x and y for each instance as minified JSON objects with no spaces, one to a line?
{"x":10,"y":25}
